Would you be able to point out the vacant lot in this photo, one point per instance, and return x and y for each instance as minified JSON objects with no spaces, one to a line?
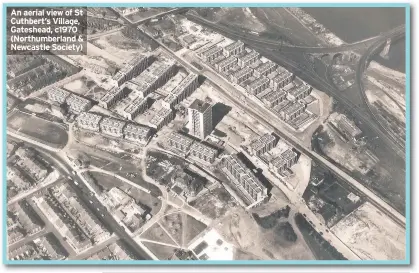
{"x":161,"y":251}
{"x":147,"y":199}
{"x":156,"y":233}
{"x":160,"y":166}
{"x":80,"y":85}
{"x":38,"y":129}
{"x":107,"y":182}
{"x":215,"y":203}
{"x":119,"y":46}
{"x":173,"y":223}
{"x":192,"y":229}
{"x":278,"y":242}
{"x":371,"y":234}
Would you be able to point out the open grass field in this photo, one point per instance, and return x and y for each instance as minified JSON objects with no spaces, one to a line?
{"x":38,"y":129}
{"x":156,"y":233}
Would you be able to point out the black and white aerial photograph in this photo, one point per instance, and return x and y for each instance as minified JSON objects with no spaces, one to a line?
{"x":206,"y":135}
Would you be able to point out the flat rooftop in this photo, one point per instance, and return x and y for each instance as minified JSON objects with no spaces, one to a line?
{"x":200,"y":106}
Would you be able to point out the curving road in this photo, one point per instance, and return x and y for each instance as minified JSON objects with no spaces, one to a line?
{"x":322,"y":84}
{"x":267,"y":118}
{"x":85,"y":193}
{"x":362,"y":66}
{"x":270,"y":44}
{"x":270,"y":49}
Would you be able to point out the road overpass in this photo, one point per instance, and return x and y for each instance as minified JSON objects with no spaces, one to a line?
{"x":148,"y":19}
{"x":267,"y":118}
{"x":322,"y":84}
{"x":362,"y":66}
{"x":278,"y":45}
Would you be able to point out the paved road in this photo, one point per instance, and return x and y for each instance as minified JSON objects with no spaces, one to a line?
{"x":362,"y":113}
{"x":97,"y":35}
{"x":176,"y":10}
{"x":271,"y":44}
{"x":269,"y":119}
{"x":85,"y":193}
{"x":362,"y":65}
{"x":322,"y":84}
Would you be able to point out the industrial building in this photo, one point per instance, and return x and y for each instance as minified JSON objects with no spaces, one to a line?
{"x":241,"y":75}
{"x":138,"y":106}
{"x":282,"y":79}
{"x":348,"y":128}
{"x":248,"y":59}
{"x":89,"y":121}
{"x":161,"y":118}
{"x":179,"y":141}
{"x":274,"y":98}
{"x":137,"y":132}
{"x":244,"y":178}
{"x":183,"y":90}
{"x":264,"y":69}
{"x":112,"y":126}
{"x":57,"y":94}
{"x":132,"y":69}
{"x":203,"y":152}
{"x":78,"y":104}
{"x":226,"y":64}
{"x":292,"y":111}
{"x":299,"y":92}
{"x":233,"y":49}
{"x":258,"y":86}
{"x":262,"y":144}
{"x":200,"y":119}
{"x":212,"y":54}
{"x":286,"y":160}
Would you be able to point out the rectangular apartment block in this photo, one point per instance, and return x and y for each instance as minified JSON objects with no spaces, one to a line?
{"x":162,"y":118}
{"x":57,"y":94}
{"x":180,"y":142}
{"x":89,"y":121}
{"x":245,"y":179}
{"x":233,"y":49}
{"x":137,"y":132}
{"x":112,"y":127}
{"x":203,"y":152}
{"x":262,"y":144}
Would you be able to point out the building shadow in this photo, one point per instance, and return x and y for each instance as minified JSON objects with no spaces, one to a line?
{"x":219,"y":110}
{"x":256,"y":171}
